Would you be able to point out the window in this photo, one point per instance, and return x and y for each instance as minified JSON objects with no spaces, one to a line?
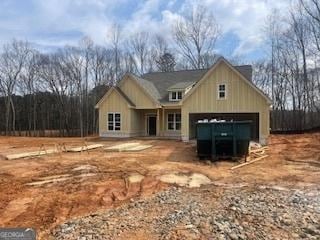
{"x":175,"y":96}
{"x":174,"y":121}
{"x":221,"y":91}
{"x":114,"y":121}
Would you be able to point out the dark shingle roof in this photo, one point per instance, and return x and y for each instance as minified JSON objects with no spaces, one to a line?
{"x":246,"y":71}
{"x":148,"y":86}
{"x":162,"y":81}
{"x":181,"y":85}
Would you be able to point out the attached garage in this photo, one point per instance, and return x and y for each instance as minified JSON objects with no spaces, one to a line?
{"x":254,"y":117}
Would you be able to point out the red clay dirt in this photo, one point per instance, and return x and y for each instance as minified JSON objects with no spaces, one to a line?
{"x":98,"y":180}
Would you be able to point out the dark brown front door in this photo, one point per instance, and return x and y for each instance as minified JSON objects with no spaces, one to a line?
{"x":152,"y":125}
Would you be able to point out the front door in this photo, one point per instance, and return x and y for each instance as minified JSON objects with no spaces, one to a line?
{"x":152,"y":125}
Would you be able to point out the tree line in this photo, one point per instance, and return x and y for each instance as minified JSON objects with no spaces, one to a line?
{"x":290,"y":74}
{"x":58,"y":90}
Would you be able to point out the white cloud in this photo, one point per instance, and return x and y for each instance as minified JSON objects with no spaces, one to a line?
{"x":60,"y":22}
{"x":57,"y":22}
{"x":245,"y":19}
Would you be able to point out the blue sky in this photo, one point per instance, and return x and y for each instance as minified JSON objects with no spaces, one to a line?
{"x":49,"y":24}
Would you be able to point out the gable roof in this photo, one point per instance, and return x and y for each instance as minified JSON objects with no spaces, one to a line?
{"x":164,"y":80}
{"x":119,"y":91}
{"x":147,"y":86}
{"x":125,"y":96}
{"x":222,"y":59}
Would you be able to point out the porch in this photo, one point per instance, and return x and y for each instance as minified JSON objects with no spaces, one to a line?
{"x":160,"y":122}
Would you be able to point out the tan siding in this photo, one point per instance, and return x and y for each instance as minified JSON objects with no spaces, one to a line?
{"x":114,"y":103}
{"x":136,"y":123}
{"x":241,"y":97}
{"x":136,"y":94}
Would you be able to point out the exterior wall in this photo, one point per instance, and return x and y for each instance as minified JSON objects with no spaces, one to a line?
{"x":136,"y":94}
{"x":240,"y":97}
{"x":114,"y":103}
{"x":136,"y":123}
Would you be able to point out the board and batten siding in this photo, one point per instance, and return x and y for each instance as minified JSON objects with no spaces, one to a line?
{"x":114,"y":103}
{"x":136,"y":94}
{"x":240,"y":98}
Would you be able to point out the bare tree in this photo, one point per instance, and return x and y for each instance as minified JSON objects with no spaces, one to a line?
{"x":312,"y":12}
{"x":53,"y":75}
{"x":166,"y":62}
{"x":139,"y":50}
{"x":101,"y":70}
{"x":196,"y":34}
{"x":115,"y":38}
{"x":12,"y":62}
{"x":29,"y":85}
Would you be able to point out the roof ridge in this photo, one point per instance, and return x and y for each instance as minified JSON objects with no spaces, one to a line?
{"x":243,"y":65}
{"x":184,"y":70}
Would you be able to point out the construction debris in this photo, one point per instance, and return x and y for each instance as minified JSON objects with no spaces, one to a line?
{"x":58,"y":149}
{"x":137,"y":148}
{"x":30,"y":154}
{"x":52,"y":180}
{"x":86,"y":167}
{"x":256,"y":153}
{"x":85,"y":148}
{"x":127,"y":147}
{"x":249,"y":162}
{"x":121,"y":147}
{"x":58,"y":178}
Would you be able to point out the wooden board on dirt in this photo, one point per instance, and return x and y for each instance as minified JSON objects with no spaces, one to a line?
{"x":122,"y":147}
{"x":137,"y":148}
{"x":247,"y":163}
{"x":30,"y":154}
{"x":85,"y":148}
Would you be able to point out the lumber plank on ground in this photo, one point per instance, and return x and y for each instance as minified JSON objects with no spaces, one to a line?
{"x":30,"y":154}
{"x":258,"y":154}
{"x":137,"y":148}
{"x":259,"y":149}
{"x":121,"y":147}
{"x":247,"y":163}
{"x":85,"y":148}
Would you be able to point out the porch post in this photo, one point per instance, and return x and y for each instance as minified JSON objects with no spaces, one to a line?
{"x":164,"y":124}
{"x":158,"y":122}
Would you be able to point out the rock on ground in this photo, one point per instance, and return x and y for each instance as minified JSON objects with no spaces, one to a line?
{"x":206,"y":213}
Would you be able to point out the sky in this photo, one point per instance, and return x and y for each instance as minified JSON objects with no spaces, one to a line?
{"x":49,"y":24}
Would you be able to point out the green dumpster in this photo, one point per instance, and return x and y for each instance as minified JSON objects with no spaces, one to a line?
{"x":223,"y":139}
{"x":204,"y":140}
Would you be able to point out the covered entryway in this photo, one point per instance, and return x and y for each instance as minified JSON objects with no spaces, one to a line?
{"x":152,"y":125}
{"x":254,"y":117}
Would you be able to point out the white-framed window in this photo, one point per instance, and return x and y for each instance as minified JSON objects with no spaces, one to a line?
{"x":175,"y":96}
{"x":174,"y":121}
{"x":114,"y":121}
{"x":222,"y":91}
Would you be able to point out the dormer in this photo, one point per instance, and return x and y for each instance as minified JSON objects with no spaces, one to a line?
{"x":178,"y":90}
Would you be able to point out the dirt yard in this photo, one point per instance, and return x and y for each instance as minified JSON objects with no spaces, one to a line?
{"x":43,"y":192}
